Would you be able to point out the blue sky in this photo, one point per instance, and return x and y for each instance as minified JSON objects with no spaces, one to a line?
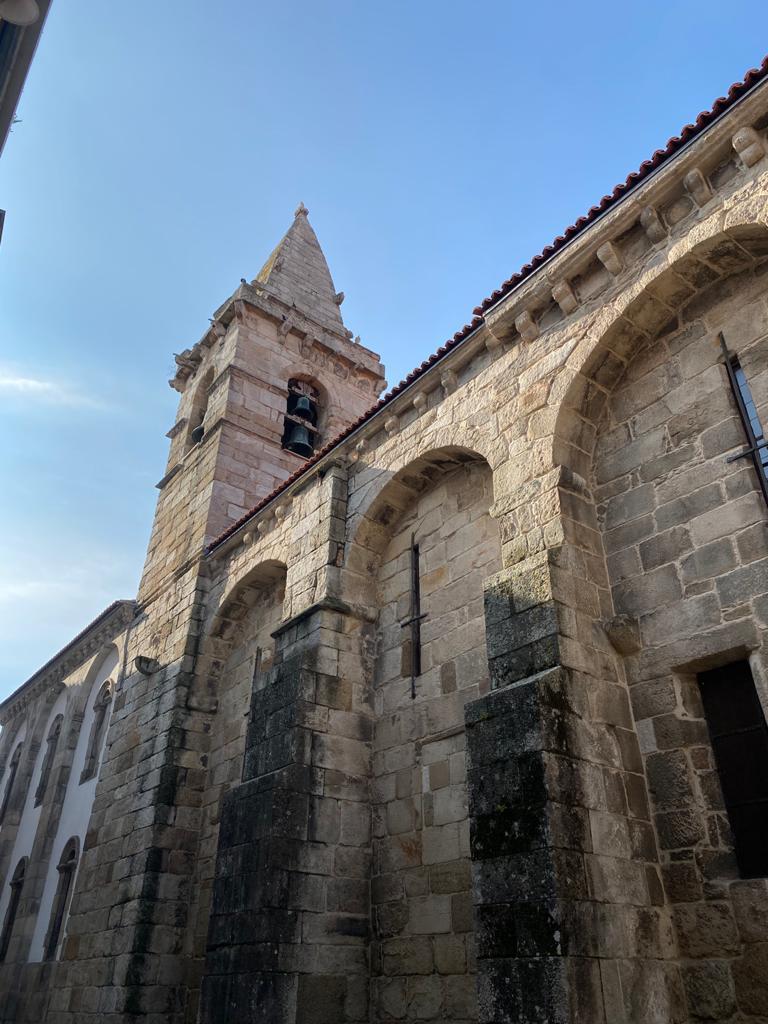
{"x":161,"y":151}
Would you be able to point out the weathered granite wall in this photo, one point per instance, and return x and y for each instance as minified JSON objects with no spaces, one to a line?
{"x":423,"y":952}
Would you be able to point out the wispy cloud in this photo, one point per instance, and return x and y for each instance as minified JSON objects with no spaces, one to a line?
{"x":26,"y":590}
{"x":47,"y":391}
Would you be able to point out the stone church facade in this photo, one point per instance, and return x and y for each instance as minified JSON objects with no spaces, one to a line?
{"x":446,"y":706}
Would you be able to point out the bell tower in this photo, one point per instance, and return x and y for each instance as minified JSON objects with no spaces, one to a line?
{"x":274,"y":378}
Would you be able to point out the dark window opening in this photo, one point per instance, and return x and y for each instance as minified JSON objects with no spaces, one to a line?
{"x":98,"y":728}
{"x":411,"y":649}
{"x":50,"y":753}
{"x":12,"y":772}
{"x":300,"y":434}
{"x":199,"y":409}
{"x":739,"y":735}
{"x":750,"y":409}
{"x":66,"y":868}
{"x":16,"y":885}
{"x":756,"y":449}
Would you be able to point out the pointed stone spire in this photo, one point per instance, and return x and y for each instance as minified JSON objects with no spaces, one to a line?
{"x":297,"y":274}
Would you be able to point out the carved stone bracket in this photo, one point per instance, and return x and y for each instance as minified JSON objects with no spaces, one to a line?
{"x":526,"y":326}
{"x":697,"y":186}
{"x":749,"y":146}
{"x":652,"y":224}
{"x":565,"y":297}
{"x":610,"y":257}
{"x":449,"y":381}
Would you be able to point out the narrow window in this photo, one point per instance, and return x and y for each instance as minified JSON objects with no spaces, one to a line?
{"x":12,"y":771}
{"x":50,"y":753}
{"x":751,"y":411}
{"x":757,"y":448}
{"x":66,"y":868}
{"x":196,"y":428}
{"x":300,"y":420}
{"x":98,"y":728}
{"x":16,"y":885}
{"x":411,"y":656}
{"x":739,"y":737}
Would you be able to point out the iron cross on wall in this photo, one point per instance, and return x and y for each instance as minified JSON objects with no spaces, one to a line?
{"x":412,"y":647}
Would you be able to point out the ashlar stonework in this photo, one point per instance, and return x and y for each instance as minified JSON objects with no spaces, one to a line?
{"x":416,"y":729}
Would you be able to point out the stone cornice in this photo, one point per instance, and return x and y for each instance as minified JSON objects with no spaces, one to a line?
{"x":51,"y":676}
{"x":289,"y":319}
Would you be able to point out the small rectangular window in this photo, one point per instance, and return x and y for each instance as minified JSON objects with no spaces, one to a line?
{"x":739,"y":735}
{"x":751,"y":411}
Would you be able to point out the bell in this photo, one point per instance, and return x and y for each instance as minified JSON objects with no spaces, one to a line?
{"x":305,"y":408}
{"x":197,"y":434}
{"x":299,"y":441}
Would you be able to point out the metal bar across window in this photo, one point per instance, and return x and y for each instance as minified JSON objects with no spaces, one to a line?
{"x":748,"y":415}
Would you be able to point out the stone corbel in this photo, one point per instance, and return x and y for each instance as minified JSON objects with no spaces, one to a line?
{"x":500,"y":327}
{"x":623,"y":631}
{"x":749,"y":146}
{"x":449,"y":381}
{"x":697,"y":186}
{"x":526,"y":326}
{"x":263,"y":526}
{"x":188,"y":360}
{"x":357,"y":452}
{"x":392,"y":425}
{"x":288,"y":323}
{"x":146,"y":666}
{"x":652,"y":225}
{"x":565,"y":297}
{"x":610,"y":257}
{"x":420,"y":402}
{"x":282,"y":511}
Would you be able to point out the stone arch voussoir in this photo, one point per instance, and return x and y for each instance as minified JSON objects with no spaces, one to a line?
{"x":392,"y":494}
{"x":722,"y":246}
{"x":226,"y":622}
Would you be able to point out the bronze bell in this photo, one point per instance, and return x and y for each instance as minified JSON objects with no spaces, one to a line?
{"x":197,"y":434}
{"x":299,"y":441}
{"x":305,"y":408}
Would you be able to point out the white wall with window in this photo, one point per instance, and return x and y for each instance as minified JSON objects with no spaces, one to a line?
{"x":30,"y":815}
{"x":78,"y":801}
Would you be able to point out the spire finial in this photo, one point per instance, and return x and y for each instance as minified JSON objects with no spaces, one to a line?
{"x":301,"y":211}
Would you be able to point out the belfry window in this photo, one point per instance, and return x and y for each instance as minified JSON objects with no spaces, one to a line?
{"x":199,"y":409}
{"x":98,"y":728}
{"x":300,"y":434}
{"x":51,"y":744}
{"x":16,"y":885}
{"x":66,"y":869}
{"x":739,"y":737}
{"x":13,"y":769}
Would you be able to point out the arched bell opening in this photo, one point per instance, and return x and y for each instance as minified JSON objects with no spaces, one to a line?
{"x":304,"y":417}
